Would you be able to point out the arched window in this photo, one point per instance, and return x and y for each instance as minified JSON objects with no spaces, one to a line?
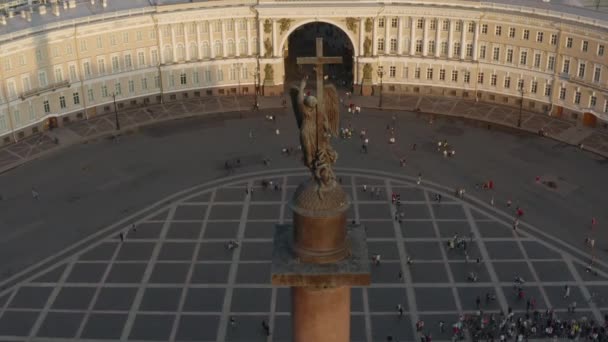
{"x":206,"y":51}
{"x":181,"y":52}
{"x":231,"y":51}
{"x":217,"y":48}
{"x":243,"y":46}
{"x":168,"y":54}
{"x":193,"y":51}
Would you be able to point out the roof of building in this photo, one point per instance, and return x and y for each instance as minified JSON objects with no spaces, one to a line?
{"x":84,"y":11}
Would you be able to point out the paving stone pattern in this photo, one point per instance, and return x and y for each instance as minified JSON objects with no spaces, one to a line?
{"x":172,"y":278}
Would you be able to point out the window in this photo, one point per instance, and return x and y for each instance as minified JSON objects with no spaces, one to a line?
{"x":445,"y":25}
{"x":58,"y":75}
{"x":42,"y":81}
{"x":179,"y":29}
{"x":431,"y":47}
{"x":484,"y":28}
{"x":592,"y":101}
{"x":218,"y":48}
{"x":456,"y":49}
{"x":131,"y":86}
{"x":471,"y":27}
{"x":243,"y":46}
{"x":181,"y":52}
{"x":511,"y":32}
{"x":520,"y":84}
{"x":380,"y":22}
{"x":458,"y":25}
{"x":496,"y":54}
{"x":509,"y":55}
{"x":600,"y":50}
{"x":12,"y":89}
{"x":101,"y":65}
{"x":26,"y":83}
{"x":115,"y":64}
{"x":72,"y":69}
{"x":217,"y":26}
{"x":152,"y":34}
{"x":469,"y":50}
{"x":442,"y":74}
{"x":467,"y":77}
{"x":141,"y":59}
{"x":207,"y":75}
{"x":480,"y":78}
{"x":112,"y":40}
{"x":606,"y":106}
{"x":420,"y":23}
{"x":393,"y":45}
{"x":154,"y":57}
{"x":68,"y":51}
{"x":243,"y":24}
{"x":394,"y":22}
{"x":507,"y":83}
{"x":182,"y":79}
{"x":581,"y":70}
{"x":83,"y":45}
{"x":206,"y":50}
{"x":444,"y":48}
{"x":429,"y":73}
{"x":417,"y":73}
{"x":597,"y":74}
{"x":454,"y":75}
{"x":138,"y":36}
{"x":99,"y":42}
{"x":577,"y":97}
{"x":547,"y":89}
{"x":554,"y":39}
{"x":562,"y":93}
{"x":566,"y":68}
{"x":498,"y":30}
{"x":380,"y":44}
{"x":76,"y":98}
{"x":62,"y":104}
{"x":31,"y":111}
{"x":482,"y":52}
{"x":230,"y":26}
{"x":537,"y":60}
{"x":523,"y":57}
{"x":526,"y":34}
{"x":551,"y":63}
{"x":17,"y":115}
{"x":125,"y":37}
{"x":195,"y":78}
{"x":90,"y":95}
{"x":433,"y":24}
{"x":220,"y":75}
{"x":171,"y":81}
{"x":419,"y":46}
{"x":47,"y":107}
{"x":22,"y":61}
{"x":585,"y":46}
{"x":2,"y":122}
{"x":144,"y":83}
{"x":392,"y":71}
{"x":128,"y":62}
{"x":569,"y":42}
{"x":231,"y":48}
{"x":104,"y":91}
{"x":539,"y":37}
{"x":404,"y":72}
{"x":55,"y":51}
{"x":205,"y":27}
{"x":117,"y":88}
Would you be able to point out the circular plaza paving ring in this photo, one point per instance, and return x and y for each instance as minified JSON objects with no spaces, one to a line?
{"x":172,"y":279}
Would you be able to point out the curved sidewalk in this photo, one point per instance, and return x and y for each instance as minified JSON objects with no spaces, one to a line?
{"x":11,"y":156}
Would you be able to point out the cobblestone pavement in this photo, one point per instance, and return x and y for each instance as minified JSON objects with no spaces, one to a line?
{"x":172,"y":279}
{"x":595,"y":140}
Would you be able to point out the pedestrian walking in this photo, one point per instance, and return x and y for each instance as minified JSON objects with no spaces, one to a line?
{"x":414,"y":147}
{"x":419,"y":178}
{"x":364,"y":187}
{"x":409,"y":261}
{"x":35,"y":194}
{"x":133,"y":228}
{"x":477,"y":302}
{"x":515,"y":224}
{"x":566,"y":292}
{"x":122,"y":236}
{"x":492,"y":201}
{"x":400,"y":310}
{"x":232,"y":322}
{"x":266,"y":328}
{"x":509,"y":203}
{"x":441,"y":327}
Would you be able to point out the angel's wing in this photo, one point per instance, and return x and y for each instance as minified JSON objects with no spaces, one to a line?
{"x":297,"y":97}
{"x":331,"y":104}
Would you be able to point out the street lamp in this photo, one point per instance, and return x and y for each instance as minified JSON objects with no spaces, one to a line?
{"x":256,"y":80}
{"x":521,"y":103}
{"x":238,"y":67}
{"x":380,"y":74}
{"x":116,"y":112}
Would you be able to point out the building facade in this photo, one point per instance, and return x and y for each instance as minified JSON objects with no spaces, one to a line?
{"x":70,"y":60}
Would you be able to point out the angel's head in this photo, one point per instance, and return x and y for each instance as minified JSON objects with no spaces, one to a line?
{"x":310,"y":101}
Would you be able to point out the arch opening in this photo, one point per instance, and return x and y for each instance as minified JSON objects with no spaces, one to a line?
{"x":301,"y":43}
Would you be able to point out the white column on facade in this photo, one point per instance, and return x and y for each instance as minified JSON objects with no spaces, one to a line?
{"x":387,"y":35}
{"x":375,"y":38}
{"x":210,"y":28}
{"x":274,"y":38}
{"x":425,"y":36}
{"x":451,"y":39}
{"x":186,"y":43}
{"x":413,"y":36}
{"x":400,"y":36}
{"x":248,"y":36}
{"x":475,"y":42}
{"x":361,"y":36}
{"x":237,"y":48}
{"x":261,"y":38}
{"x":161,"y":47}
{"x":437,"y":38}
{"x":173,"y":43}
{"x":224,"y":50}
{"x":198,"y":41}
{"x":463,"y":40}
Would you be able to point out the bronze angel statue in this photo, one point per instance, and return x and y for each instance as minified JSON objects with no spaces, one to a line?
{"x":317,"y":124}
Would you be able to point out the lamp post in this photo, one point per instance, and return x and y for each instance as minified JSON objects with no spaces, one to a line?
{"x":116,"y":112}
{"x":380,"y":74}
{"x":238,"y":67}
{"x":521,"y":103}
{"x":256,"y":78}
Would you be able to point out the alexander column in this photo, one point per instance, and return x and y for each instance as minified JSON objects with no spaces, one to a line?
{"x":318,"y":255}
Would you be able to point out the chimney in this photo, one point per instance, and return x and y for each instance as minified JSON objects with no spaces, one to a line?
{"x":72,"y":3}
{"x":104,"y":3}
{"x":42,"y":9}
{"x":56,"y":9}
